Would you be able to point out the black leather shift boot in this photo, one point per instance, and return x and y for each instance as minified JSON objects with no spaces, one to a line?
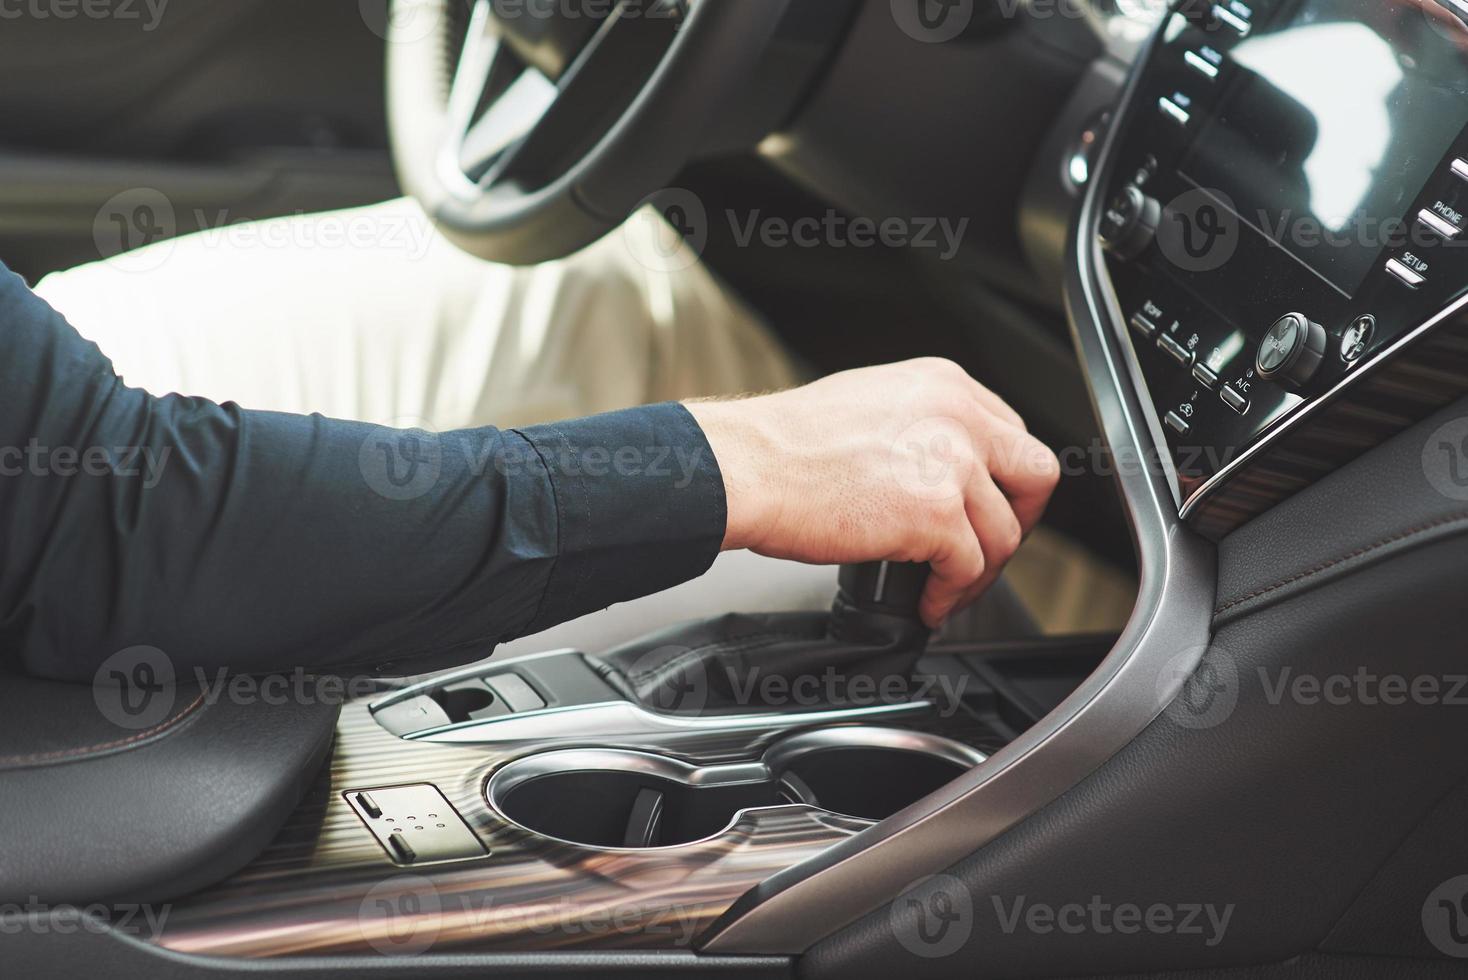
{"x":776,"y":661}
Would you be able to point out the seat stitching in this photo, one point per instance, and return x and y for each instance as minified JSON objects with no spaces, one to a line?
{"x":15,"y":761}
{"x":1327,"y":565}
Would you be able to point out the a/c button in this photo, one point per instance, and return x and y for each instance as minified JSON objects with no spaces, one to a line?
{"x":1234,"y":400}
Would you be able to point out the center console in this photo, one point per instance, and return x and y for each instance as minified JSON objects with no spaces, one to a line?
{"x":626,"y":799}
{"x":1286,"y":217}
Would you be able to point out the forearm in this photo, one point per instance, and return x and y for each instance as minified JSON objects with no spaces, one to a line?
{"x":260,"y":541}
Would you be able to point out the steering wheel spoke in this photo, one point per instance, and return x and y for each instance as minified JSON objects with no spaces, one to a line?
{"x":551,"y":125}
{"x":510,"y":118}
{"x":534,"y":128}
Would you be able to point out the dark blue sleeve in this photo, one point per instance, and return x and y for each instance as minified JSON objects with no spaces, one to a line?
{"x":260,"y":542}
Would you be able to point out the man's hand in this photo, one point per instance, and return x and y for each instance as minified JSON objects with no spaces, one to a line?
{"x":915,"y":462}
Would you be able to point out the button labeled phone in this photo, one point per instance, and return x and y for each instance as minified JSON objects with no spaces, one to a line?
{"x":1438,"y":224}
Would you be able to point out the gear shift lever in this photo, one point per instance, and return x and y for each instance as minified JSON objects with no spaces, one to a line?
{"x":887,"y":587}
{"x":872,"y":632}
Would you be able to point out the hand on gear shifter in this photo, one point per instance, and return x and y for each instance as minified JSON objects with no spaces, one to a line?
{"x":913,"y":462}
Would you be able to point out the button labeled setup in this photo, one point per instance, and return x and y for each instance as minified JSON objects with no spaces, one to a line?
{"x":1234,"y":400}
{"x":1175,"y":350}
{"x":1405,"y":273}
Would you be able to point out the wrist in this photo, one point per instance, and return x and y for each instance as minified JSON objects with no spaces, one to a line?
{"x":744,"y":446}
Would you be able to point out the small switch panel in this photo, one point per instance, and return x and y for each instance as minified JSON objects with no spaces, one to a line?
{"x":415,"y":824}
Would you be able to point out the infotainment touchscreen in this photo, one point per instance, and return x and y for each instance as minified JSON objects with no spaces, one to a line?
{"x":1335,"y":119}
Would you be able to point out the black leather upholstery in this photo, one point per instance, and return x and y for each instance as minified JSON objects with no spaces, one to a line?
{"x":1284,"y":808}
{"x":1372,"y":509}
{"x":97,"y":812}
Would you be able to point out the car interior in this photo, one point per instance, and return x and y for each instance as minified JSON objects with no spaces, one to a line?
{"x":1204,"y":248}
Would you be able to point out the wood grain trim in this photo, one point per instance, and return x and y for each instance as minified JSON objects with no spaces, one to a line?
{"x":1407,"y":385}
{"x":325,"y":887}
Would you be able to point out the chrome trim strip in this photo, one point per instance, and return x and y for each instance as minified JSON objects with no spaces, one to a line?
{"x":628,"y":725}
{"x":1159,"y":649}
{"x":531,"y":767}
{"x":435,"y":681}
{"x":778,"y":757}
{"x":623,"y":719}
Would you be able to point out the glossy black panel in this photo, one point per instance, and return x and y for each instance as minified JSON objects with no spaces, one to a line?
{"x":1294,"y":147}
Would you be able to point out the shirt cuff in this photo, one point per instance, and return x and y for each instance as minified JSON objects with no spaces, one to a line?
{"x":640,"y":507}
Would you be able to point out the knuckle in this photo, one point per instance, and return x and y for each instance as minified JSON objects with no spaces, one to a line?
{"x":963,"y":564}
{"x":939,"y":365}
{"x":977,"y":564}
{"x":968,"y":561}
{"x":1047,"y":466}
{"x":1040,"y":462}
{"x":1011,"y":537}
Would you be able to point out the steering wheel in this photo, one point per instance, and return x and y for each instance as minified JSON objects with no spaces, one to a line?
{"x":528,"y":129}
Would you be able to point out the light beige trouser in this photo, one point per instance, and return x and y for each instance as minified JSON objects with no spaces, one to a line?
{"x":370,"y":315}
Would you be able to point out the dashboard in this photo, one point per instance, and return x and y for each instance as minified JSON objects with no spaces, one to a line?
{"x":1284,"y":217}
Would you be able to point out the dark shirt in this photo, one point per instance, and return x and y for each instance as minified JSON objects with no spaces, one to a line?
{"x":260,"y":541}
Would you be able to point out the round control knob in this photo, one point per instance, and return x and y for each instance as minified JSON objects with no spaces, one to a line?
{"x":1130,"y":222}
{"x":1292,"y":351}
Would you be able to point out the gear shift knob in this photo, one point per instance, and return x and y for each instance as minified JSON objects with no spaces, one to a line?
{"x":887,"y":587}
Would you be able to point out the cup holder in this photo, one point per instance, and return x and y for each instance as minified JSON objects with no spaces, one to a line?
{"x":610,"y":798}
